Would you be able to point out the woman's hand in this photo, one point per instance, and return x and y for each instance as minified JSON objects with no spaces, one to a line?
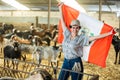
{"x":60,"y":4}
{"x":114,"y":30}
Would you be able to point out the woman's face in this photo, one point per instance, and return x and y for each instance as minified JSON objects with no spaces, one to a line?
{"x":75,"y":29}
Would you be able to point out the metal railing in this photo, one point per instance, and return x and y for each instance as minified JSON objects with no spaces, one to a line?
{"x":26,"y":69}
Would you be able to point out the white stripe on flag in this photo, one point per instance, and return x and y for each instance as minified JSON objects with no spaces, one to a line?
{"x":94,"y":26}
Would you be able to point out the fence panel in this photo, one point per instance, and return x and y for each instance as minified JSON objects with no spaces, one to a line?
{"x":27,"y":69}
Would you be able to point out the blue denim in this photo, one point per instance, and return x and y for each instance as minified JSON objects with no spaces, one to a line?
{"x":68,"y":64}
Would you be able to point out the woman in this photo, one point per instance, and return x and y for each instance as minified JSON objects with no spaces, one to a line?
{"x":73,"y":49}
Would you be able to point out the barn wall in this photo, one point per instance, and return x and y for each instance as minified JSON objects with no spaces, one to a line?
{"x":109,"y":18}
{"x":25,"y":18}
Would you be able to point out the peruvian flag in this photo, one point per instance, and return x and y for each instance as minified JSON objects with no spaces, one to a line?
{"x":97,"y":51}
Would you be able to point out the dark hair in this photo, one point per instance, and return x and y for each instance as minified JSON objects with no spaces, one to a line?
{"x":71,"y":26}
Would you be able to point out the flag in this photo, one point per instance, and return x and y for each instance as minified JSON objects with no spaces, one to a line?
{"x":97,"y":51}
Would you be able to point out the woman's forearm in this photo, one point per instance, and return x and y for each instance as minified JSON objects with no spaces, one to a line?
{"x":99,"y":36}
{"x":61,"y":15}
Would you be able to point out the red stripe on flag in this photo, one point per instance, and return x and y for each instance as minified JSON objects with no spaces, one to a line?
{"x":99,"y":50}
{"x":60,"y":33}
{"x":69,"y":14}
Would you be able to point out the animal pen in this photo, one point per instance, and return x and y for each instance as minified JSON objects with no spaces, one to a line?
{"x":28,"y":69}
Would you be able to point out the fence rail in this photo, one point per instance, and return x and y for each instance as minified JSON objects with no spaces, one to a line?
{"x":26,"y":69}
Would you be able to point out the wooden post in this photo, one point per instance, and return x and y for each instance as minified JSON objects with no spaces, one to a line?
{"x":100,"y":8}
{"x":49,"y":8}
{"x":36,"y":21}
{"x":119,"y":25}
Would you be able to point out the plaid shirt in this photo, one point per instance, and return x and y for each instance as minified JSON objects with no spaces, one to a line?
{"x":74,"y":48}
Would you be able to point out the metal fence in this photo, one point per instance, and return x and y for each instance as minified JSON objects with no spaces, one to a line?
{"x":26,"y":69}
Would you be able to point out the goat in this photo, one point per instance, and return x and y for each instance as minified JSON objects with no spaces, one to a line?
{"x":12,"y":53}
{"x":8,"y":27}
{"x":116,"y":44}
{"x":41,"y":74}
{"x":2,"y":31}
{"x":47,"y":52}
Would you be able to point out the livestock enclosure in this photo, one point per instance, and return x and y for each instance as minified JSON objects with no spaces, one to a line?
{"x":28,"y":69}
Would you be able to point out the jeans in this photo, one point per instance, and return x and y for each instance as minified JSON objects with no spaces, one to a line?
{"x":68,"y":64}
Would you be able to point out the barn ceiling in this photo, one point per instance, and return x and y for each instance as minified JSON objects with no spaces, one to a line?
{"x":88,"y":5}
